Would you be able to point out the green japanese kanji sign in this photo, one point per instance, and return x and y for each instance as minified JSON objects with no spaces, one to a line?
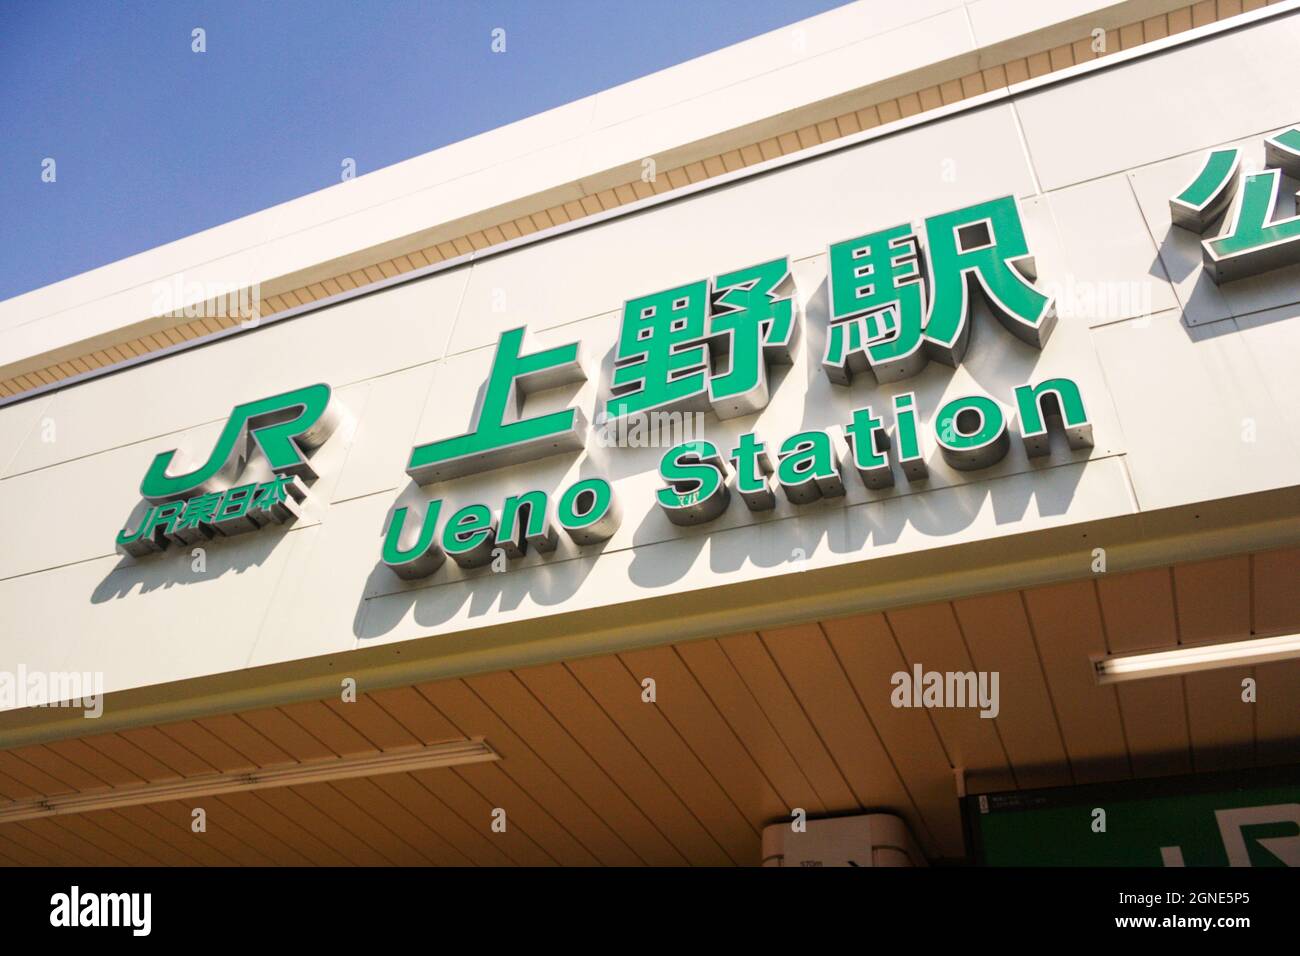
{"x":896,"y":297}
{"x":1257,"y":236}
{"x":501,"y":436}
{"x":671,"y":340}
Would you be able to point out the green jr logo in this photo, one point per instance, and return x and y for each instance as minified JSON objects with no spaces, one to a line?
{"x":205,"y":501}
{"x":287,"y":427}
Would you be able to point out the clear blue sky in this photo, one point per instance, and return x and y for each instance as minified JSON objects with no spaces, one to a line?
{"x":153,"y":141}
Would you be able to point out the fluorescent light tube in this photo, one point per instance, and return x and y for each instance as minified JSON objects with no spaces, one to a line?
{"x":450,"y":754}
{"x":1203,"y":657}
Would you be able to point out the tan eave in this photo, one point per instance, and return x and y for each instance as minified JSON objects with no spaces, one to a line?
{"x":746,"y":725}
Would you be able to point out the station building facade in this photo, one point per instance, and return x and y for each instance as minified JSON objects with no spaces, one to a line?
{"x":874,"y":442}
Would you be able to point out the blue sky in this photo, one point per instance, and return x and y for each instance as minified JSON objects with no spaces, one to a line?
{"x":153,"y":141}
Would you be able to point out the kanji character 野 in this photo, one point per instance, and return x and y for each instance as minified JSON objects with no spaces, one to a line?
{"x":671,"y":342}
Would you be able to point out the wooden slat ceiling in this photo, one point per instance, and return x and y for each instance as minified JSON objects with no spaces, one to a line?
{"x":744,"y":728}
{"x":867,"y":116}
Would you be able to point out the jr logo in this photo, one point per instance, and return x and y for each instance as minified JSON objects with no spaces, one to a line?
{"x":287,"y":427}
{"x":206,"y":502}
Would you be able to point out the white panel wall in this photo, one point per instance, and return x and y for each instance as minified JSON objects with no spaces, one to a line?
{"x":1169,"y":376}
